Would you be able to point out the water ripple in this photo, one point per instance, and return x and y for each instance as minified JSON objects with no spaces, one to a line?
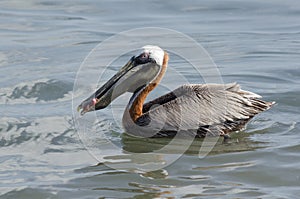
{"x":38,"y":91}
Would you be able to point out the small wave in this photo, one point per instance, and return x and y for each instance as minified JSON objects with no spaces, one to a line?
{"x":15,"y":131}
{"x":229,"y":166}
{"x":42,"y":90}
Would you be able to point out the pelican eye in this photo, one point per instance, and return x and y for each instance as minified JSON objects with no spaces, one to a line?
{"x":143,"y":58}
{"x":144,"y":55}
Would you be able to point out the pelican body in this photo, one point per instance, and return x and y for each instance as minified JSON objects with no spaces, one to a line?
{"x":192,"y":110}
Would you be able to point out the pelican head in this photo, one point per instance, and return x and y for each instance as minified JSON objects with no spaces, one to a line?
{"x":137,"y":73}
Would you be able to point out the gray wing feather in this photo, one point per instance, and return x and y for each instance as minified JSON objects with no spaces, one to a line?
{"x":204,"y":108}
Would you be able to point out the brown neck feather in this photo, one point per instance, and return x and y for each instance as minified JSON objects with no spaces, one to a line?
{"x":136,"y":110}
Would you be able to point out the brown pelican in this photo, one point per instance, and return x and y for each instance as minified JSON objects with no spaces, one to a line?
{"x":193,"y":110}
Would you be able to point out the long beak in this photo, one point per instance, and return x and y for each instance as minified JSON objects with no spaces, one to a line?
{"x":102,"y":97}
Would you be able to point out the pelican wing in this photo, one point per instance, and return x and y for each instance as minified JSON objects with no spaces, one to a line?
{"x":202,"y":109}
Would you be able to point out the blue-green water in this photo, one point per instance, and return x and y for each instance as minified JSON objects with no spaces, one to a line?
{"x":43,"y":43}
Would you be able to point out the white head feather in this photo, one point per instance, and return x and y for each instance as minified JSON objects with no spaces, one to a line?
{"x":155,"y":53}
